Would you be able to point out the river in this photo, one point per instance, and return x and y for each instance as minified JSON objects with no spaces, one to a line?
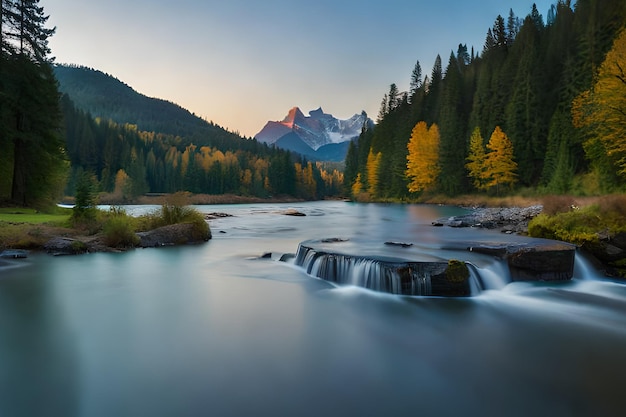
{"x":211,"y":330}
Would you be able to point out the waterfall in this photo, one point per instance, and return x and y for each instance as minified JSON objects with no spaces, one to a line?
{"x":584,"y":269}
{"x":494,"y":276}
{"x":405,"y":269}
{"x":389,"y":275}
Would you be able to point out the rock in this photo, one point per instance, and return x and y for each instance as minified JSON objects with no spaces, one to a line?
{"x":14,"y":254}
{"x":216,"y":215}
{"x":286,"y":257}
{"x":174,"y":234}
{"x":549,"y":262}
{"x":293,"y":212}
{"x":400,"y":244}
{"x":384,"y":274}
{"x":59,"y":246}
{"x":508,"y":219}
{"x":334,"y":240}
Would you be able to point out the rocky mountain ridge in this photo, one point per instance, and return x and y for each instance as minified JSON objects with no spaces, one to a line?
{"x":319,"y":135}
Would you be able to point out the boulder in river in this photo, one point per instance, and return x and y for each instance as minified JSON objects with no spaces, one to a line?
{"x":58,"y":246}
{"x":174,"y":234}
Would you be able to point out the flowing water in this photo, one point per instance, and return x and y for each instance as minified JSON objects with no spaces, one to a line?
{"x":211,"y":330}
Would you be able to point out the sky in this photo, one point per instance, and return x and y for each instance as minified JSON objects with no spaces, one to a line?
{"x":241,"y":63}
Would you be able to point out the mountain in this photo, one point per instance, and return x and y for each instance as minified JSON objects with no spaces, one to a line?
{"x":104,"y":96}
{"x":318,"y":135}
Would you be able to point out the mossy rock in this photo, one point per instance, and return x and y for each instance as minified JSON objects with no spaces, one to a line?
{"x":457,"y":271}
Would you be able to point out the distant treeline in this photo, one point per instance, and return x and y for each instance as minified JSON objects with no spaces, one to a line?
{"x":129,"y":162}
{"x":536,"y":84}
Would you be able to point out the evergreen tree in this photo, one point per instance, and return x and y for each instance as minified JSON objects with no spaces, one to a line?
{"x":25,"y":21}
{"x":31,"y":142}
{"x":416,"y":80}
{"x":527,"y":117}
{"x":431,"y":101}
{"x":452,"y":122}
{"x":393,"y":98}
{"x":512,"y":27}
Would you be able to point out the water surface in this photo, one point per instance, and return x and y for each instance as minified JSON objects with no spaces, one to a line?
{"x":210,"y":330}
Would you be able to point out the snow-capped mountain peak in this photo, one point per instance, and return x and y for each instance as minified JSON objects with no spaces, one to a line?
{"x":298,"y":132}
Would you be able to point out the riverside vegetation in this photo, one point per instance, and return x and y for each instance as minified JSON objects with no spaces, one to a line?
{"x":598,"y":228}
{"x":86,"y":228}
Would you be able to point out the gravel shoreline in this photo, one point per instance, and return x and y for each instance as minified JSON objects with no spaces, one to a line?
{"x":506,"y":219}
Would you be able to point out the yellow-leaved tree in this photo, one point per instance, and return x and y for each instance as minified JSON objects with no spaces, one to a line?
{"x":422,"y":167}
{"x":602,"y":109}
{"x":373,"y":164}
{"x":357,"y":187}
{"x":500,"y":168}
{"x":476,"y":160}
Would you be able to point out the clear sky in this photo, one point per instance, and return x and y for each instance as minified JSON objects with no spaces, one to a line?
{"x":241,"y":63}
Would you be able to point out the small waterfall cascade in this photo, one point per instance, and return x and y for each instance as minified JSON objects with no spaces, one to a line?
{"x":493,"y":276}
{"x":584,"y":269}
{"x":390,"y":275}
{"x":411,"y":272}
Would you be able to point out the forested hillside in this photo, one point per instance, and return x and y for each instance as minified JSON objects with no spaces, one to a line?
{"x":530,"y":100}
{"x":105,"y":97}
{"x":129,"y":162}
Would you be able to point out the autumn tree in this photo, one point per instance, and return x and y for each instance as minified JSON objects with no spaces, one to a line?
{"x":601,"y":110}
{"x":422,"y":166}
{"x":373,"y":164}
{"x":357,"y":186}
{"x":476,"y":159}
{"x":500,"y":168}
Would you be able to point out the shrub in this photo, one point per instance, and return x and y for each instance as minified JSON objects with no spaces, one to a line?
{"x":119,"y":230}
{"x":174,"y":212}
{"x":85,"y":202}
{"x":576,"y":227}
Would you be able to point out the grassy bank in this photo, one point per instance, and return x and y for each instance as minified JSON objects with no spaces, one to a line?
{"x":27,"y":229}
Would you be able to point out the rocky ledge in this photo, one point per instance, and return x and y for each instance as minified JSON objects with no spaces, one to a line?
{"x":175,"y":234}
{"x":409,"y":272}
{"x":506,"y":219}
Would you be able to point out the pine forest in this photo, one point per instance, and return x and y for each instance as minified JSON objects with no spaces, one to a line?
{"x":541,"y":109}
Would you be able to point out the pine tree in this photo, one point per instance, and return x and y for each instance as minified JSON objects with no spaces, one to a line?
{"x":30,"y":115}
{"x":512,"y":27}
{"x":26,"y":21}
{"x":422,"y":165}
{"x":416,"y":80}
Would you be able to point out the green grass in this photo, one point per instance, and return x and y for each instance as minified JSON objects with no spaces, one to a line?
{"x":26,"y":215}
